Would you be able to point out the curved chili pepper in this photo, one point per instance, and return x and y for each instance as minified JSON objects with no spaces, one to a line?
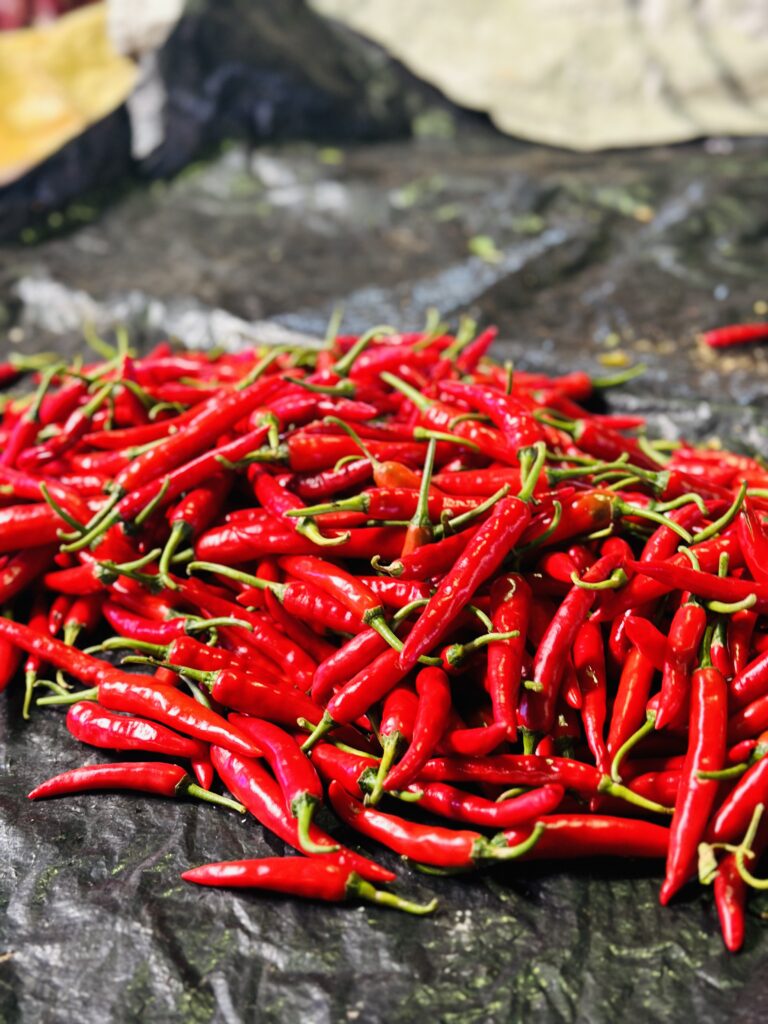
{"x":589,"y":662}
{"x":294,"y":771}
{"x":98,"y":727}
{"x":261,"y":795}
{"x":536,"y":712}
{"x":735,"y":334}
{"x":296,"y":876}
{"x":427,"y":844}
{"x":510,"y":608}
{"x":514,"y":770}
{"x":735,"y":813}
{"x":155,"y":777}
{"x":594,"y":835}
{"x":706,"y":752}
{"x":685,"y":635}
{"x":429,"y":725}
{"x":490,"y":544}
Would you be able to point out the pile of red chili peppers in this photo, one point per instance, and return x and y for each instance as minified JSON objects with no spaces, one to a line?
{"x":437,"y":596}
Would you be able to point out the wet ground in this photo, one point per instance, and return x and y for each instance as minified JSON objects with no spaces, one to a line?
{"x":594,"y":262}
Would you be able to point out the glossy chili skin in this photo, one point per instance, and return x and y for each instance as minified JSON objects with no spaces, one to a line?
{"x":685,"y":634}
{"x":589,"y":663}
{"x":431,"y":719}
{"x":171,"y":707}
{"x":427,"y":844}
{"x":595,"y":835}
{"x":491,"y":543}
{"x":706,"y":752}
{"x":98,"y":727}
{"x":155,"y":777}
{"x":255,"y":788}
{"x":291,"y":767}
{"x":295,"y":876}
{"x":733,"y":816}
{"x":514,"y":770}
{"x":537,"y":708}
{"x":510,"y":610}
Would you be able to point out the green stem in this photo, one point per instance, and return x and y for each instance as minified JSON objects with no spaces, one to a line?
{"x":303,"y":808}
{"x":725,"y":519}
{"x":357,"y":886}
{"x":389,"y":747}
{"x":492,"y":852}
{"x":646,"y":728}
{"x":617,"y":579}
{"x":744,"y":850}
{"x":342,"y":366}
{"x":607,"y":785}
{"x":192,"y":789}
{"x":619,"y":378}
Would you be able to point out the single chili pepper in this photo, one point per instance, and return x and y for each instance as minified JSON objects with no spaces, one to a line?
{"x":751,"y":682}
{"x":735,"y":813}
{"x":245,"y":542}
{"x":706,"y":752}
{"x":509,"y":414}
{"x":490,"y":544}
{"x":98,"y":727}
{"x":662,"y":787}
{"x":154,"y":777}
{"x":631,"y":698}
{"x":278,"y":500}
{"x":196,"y":511}
{"x":735,"y":334}
{"x":344,"y":587}
{"x":427,"y":844}
{"x":296,"y":876}
{"x":536,"y":712}
{"x":481,"y":482}
{"x":139,"y":435}
{"x":429,"y":725}
{"x":593,"y":835}
{"x":395,"y":593}
{"x":431,"y":560}
{"x":685,"y":635}
{"x":749,"y":721}
{"x":476,"y":742}
{"x":298,"y":780}
{"x":514,"y":770}
{"x":293,"y":624}
{"x":398,"y":720}
{"x":731,"y":892}
{"x":740,"y":628}
{"x":332,"y":481}
{"x":589,"y":663}
{"x":510,"y":609}
{"x":260,"y":793}
{"x":642,"y":633}
{"x":26,"y":526}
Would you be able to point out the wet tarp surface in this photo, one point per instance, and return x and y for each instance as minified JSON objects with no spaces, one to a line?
{"x":579,"y":260}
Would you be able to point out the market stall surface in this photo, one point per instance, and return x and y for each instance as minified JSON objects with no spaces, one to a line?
{"x":587,"y":262}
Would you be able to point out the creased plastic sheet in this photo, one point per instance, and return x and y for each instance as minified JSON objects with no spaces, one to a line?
{"x":630,"y":254}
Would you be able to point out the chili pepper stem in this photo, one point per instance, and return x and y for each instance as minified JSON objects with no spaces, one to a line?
{"x":324,"y":726}
{"x":303,"y":809}
{"x":357,"y":886}
{"x":389,"y":749}
{"x":179,"y":533}
{"x":192,"y":789}
{"x":489,"y":850}
{"x":646,"y":728}
{"x":70,"y":698}
{"x":744,"y":850}
{"x":30,"y":680}
{"x":607,"y":785}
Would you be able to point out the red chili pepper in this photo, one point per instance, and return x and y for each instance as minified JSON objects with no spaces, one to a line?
{"x":98,"y":727}
{"x":155,"y":777}
{"x":510,"y":608}
{"x":589,"y":662}
{"x":731,"y":893}
{"x":490,"y":544}
{"x":740,"y":628}
{"x":751,"y":682}
{"x":648,"y":638}
{"x":475,"y":742}
{"x":509,"y":414}
{"x":594,"y":835}
{"x":332,"y":481}
{"x":427,"y":844}
{"x":430,"y":723}
{"x":514,"y":770}
{"x":536,"y":712}
{"x":735,"y":334}
{"x":301,"y":788}
{"x":258,"y":791}
{"x":296,"y":876}
{"x":27,"y":526}
{"x":706,"y":752}
{"x":735,"y":813}
{"x":685,"y":635}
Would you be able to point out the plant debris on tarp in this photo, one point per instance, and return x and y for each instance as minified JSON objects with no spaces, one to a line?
{"x":595,"y":262}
